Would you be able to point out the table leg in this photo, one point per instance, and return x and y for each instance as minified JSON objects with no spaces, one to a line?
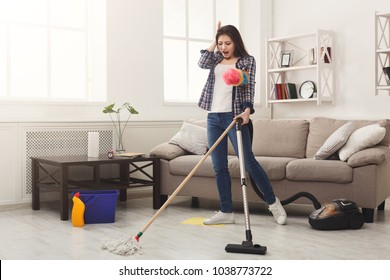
{"x":124,"y":169}
{"x":35,"y":187}
{"x":64,"y":204}
{"x":96,"y":174}
{"x":157,"y":200}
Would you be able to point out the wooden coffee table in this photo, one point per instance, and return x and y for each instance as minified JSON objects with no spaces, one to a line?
{"x":128,"y":167}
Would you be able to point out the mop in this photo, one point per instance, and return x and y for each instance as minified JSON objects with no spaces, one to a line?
{"x":130,"y":245}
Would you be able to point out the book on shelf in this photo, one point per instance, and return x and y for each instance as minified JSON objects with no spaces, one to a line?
{"x":285,"y":91}
{"x":278,"y":92}
{"x":386,"y":72}
{"x":292,"y":90}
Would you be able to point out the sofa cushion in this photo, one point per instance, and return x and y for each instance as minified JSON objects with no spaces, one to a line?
{"x":280,"y":138}
{"x":321,"y":128}
{"x":362,"y":138}
{"x":310,"y":169}
{"x":335,"y":141}
{"x":192,"y":138}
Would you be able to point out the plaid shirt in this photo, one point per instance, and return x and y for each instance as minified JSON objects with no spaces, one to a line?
{"x":243,"y":96}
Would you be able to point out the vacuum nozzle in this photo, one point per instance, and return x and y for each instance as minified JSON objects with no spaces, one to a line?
{"x":246,"y":248}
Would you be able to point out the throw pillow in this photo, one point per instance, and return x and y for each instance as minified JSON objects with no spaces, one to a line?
{"x":335,"y":141}
{"x":362,"y":138}
{"x":167,"y":151}
{"x":191,"y":138}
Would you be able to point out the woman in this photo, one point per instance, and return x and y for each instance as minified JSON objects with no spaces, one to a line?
{"x":225,"y":103}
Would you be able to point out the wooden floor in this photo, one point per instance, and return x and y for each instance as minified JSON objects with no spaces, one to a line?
{"x":28,"y":235}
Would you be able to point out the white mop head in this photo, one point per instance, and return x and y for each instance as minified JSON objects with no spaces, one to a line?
{"x":124,"y":246}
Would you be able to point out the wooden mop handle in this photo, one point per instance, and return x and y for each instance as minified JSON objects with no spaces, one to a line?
{"x":173,"y":195}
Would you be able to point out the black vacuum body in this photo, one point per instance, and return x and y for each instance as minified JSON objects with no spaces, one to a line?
{"x":339,"y":214}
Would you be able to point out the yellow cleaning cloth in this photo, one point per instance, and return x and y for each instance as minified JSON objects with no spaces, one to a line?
{"x":197,"y":221}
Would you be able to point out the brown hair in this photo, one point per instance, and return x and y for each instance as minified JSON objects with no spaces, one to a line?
{"x":235,"y":35}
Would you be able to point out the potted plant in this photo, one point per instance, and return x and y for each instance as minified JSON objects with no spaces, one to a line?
{"x":118,"y":124}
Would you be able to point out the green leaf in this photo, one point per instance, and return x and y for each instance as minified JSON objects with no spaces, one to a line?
{"x":109,"y":109}
{"x":132,"y":110}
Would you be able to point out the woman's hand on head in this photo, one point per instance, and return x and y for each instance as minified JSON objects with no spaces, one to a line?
{"x":213,"y":45}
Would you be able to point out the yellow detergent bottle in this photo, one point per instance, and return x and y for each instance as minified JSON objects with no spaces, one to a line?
{"x":78,"y":211}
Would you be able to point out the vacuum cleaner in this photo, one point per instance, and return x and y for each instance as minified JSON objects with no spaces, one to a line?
{"x":338,"y":214}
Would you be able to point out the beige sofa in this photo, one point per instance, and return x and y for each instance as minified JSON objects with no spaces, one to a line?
{"x":286,"y":150}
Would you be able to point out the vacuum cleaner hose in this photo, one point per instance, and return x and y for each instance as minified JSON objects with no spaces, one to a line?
{"x":316,"y":203}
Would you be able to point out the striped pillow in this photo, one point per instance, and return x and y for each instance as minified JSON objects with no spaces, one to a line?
{"x":335,"y":141}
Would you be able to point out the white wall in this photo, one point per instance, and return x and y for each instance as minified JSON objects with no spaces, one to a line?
{"x":353,"y":24}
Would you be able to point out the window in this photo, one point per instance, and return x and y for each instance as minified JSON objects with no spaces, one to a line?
{"x":53,"y":50}
{"x":189,"y":26}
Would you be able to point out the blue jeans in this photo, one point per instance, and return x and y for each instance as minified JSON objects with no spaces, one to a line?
{"x":216,"y":125}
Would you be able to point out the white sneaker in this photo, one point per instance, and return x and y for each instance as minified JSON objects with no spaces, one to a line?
{"x":278,"y":211}
{"x":220,"y":218}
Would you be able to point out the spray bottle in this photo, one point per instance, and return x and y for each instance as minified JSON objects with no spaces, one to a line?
{"x":78,"y":211}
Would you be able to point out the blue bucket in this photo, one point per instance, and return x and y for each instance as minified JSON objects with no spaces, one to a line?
{"x":100,"y":205}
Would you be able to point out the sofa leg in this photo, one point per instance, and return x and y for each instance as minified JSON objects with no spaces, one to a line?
{"x":381,"y":206}
{"x":159,"y":200}
{"x":195,"y":202}
{"x":368,"y":215}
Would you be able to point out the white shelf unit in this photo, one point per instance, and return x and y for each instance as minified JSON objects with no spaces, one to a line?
{"x":382,"y":51}
{"x":321,"y":72}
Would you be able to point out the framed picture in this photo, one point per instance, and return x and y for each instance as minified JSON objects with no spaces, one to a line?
{"x":286,"y":58}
